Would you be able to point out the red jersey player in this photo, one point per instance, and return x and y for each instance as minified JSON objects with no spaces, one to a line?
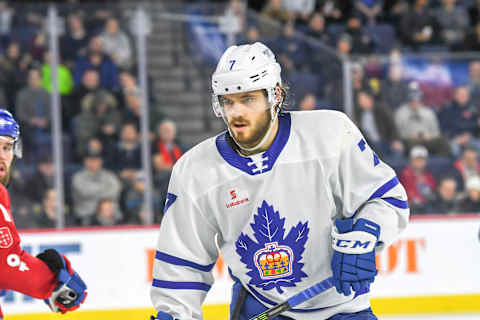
{"x":48,"y":276}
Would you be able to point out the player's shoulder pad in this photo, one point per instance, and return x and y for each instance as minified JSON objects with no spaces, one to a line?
{"x":317,"y":118}
{"x":197,"y":162}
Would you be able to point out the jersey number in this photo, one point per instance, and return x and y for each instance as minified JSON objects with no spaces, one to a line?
{"x":363,"y":145}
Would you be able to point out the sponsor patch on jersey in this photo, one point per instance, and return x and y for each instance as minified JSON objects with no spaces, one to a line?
{"x":236,"y":198}
{"x":273,"y":259}
{"x":6,"y":238}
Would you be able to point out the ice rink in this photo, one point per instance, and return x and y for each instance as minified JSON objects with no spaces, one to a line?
{"x":434,"y":317}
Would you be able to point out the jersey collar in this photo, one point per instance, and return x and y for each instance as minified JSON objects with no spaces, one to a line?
{"x":263,"y":162}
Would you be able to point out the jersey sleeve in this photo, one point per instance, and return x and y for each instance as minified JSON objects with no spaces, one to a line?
{"x":186,"y":253}
{"x":20,"y":271}
{"x":368,"y":188}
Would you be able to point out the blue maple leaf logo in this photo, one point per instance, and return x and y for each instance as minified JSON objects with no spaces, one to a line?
{"x":274,"y":261}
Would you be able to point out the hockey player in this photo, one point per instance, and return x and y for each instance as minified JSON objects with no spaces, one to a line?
{"x":48,"y":276}
{"x":289,"y":198}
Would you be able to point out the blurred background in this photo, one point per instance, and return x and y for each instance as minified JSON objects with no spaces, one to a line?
{"x":109,"y":95}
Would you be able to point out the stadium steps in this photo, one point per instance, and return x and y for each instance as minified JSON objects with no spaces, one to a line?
{"x":179,"y":87}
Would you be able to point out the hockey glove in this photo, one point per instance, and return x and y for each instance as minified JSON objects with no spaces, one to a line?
{"x":69,"y":293}
{"x":162,"y":316}
{"x":353,"y":261}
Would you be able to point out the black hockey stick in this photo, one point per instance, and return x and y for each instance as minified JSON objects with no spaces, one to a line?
{"x":239,"y":305}
{"x":303,"y":296}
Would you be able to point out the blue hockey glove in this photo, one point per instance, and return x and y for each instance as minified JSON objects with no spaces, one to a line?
{"x":353,"y":261}
{"x":69,"y":293}
{"x":162,"y":316}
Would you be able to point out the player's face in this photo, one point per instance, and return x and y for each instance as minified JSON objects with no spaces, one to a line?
{"x":6,"y":158}
{"x":247,"y":116}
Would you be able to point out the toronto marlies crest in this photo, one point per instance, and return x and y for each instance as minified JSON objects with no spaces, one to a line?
{"x":274,"y":261}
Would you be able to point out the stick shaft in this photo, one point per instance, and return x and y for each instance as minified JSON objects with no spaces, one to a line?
{"x":297,"y":299}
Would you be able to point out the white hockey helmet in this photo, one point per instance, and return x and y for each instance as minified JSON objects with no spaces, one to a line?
{"x":245,"y":68}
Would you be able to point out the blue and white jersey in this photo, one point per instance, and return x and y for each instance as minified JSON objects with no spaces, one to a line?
{"x":271,"y":215}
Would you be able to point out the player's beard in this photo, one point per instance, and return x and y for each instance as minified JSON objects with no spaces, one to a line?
{"x":256,"y":130}
{"x":5,"y":178}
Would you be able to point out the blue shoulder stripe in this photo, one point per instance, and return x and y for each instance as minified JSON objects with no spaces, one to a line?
{"x":181,"y":285}
{"x":396,"y":202}
{"x":182,"y":262}
{"x":389,"y":185}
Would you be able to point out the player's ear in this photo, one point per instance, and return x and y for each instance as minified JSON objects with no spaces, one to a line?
{"x":278,"y":94}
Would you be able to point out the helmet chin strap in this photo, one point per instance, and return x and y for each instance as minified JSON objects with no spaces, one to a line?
{"x":274,"y":112}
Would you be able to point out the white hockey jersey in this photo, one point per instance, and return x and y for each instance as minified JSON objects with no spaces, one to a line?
{"x":271,"y":215}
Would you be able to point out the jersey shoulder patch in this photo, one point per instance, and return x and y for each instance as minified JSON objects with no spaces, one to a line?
{"x":6,"y":238}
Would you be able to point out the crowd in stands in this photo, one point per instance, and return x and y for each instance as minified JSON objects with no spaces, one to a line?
{"x":100,"y":101}
{"x":425,"y":125}
{"x":424,"y":121}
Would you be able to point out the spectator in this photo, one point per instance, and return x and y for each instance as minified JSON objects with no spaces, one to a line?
{"x":161,"y":177}
{"x":99,"y":117}
{"x":308,"y":102}
{"x":97,"y":19}
{"x":474,"y":11}
{"x":14,"y":68}
{"x":90,"y":185}
{"x":459,"y":121}
{"x":466,"y":167}
{"x":126,"y":155}
{"x":394,"y":11}
{"x":300,"y":8}
{"x":90,"y":84}
{"x":471,"y":204}
{"x":334,"y":11}
{"x":275,"y":10}
{"x":474,"y":82}
{"x":369,"y":10}
{"x":133,"y":199}
{"x":75,"y":41}
{"x":361,"y":42}
{"x":316,"y":29}
{"x":45,"y":215}
{"x":7,"y":20}
{"x":38,"y":47}
{"x":64,"y":76}
{"x":33,"y":113}
{"x":98,"y":60}
{"x":418,"y":181}
{"x":129,"y":84}
{"x":21,"y":205}
{"x":377,"y":125}
{"x":251,"y":36}
{"x":472,"y":40}
{"x":418,"y":26}
{"x":453,"y":22}
{"x":291,"y":49}
{"x":134,"y":204}
{"x":133,"y":111}
{"x":165,"y":144}
{"x":41,"y":180}
{"x":344,"y":45}
{"x":116,"y":44}
{"x":394,"y":90}
{"x":446,"y":201}
{"x":418,"y":124}
{"x":107,"y":213}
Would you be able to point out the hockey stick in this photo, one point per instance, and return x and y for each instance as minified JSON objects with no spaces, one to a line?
{"x":239,"y":305}
{"x":303,"y":296}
